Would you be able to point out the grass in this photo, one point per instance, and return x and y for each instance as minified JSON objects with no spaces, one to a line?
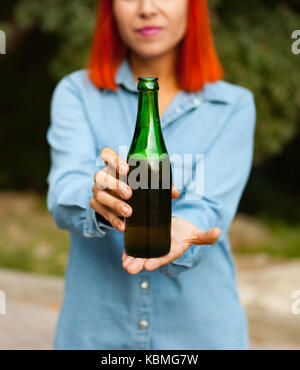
{"x":30,"y":240}
{"x":284,"y":242}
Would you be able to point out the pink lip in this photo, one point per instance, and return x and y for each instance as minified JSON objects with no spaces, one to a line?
{"x":149,"y":31}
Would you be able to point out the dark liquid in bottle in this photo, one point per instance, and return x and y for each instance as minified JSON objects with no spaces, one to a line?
{"x":148,"y":228}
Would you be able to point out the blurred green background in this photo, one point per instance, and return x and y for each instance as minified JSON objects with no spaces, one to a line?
{"x":47,"y":39}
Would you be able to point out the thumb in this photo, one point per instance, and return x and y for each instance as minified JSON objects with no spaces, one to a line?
{"x":208,"y":237}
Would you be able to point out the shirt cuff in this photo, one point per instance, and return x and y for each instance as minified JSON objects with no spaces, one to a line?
{"x":189,"y":259}
{"x":93,"y":226}
{"x":102,"y":220}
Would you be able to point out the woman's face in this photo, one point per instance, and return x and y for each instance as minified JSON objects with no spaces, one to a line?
{"x":170,"y":16}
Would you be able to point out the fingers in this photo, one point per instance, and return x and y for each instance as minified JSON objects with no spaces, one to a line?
{"x":202,"y":237}
{"x":208,"y":237}
{"x":103,"y":180}
{"x":124,"y":255}
{"x":126,"y":261}
{"x":114,"y":160}
{"x":108,"y":214}
{"x":117,"y":205}
{"x":108,"y":202}
{"x":133,"y":265}
{"x":154,"y":263}
{"x":175,"y":192}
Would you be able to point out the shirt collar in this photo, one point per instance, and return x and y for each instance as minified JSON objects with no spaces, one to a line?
{"x":214,"y":92}
{"x":125,"y":77}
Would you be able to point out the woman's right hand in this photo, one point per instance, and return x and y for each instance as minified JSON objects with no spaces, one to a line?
{"x":110,"y":192}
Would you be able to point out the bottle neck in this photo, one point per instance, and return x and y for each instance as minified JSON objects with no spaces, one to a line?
{"x":148,"y":137}
{"x":148,"y":111}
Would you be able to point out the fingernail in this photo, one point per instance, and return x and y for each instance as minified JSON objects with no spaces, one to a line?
{"x":125,"y":192}
{"x":125,"y":210}
{"x":124,"y":168}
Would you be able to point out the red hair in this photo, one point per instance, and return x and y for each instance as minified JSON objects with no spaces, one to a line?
{"x":197,"y":61}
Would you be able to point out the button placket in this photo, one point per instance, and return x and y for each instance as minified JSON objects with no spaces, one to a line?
{"x":144,"y":284}
{"x":144,"y":311}
{"x":180,"y":110}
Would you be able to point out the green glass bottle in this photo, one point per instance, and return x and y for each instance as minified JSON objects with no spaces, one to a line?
{"x":148,"y":229}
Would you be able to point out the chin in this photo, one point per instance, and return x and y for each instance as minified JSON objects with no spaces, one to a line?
{"x":151,"y":52}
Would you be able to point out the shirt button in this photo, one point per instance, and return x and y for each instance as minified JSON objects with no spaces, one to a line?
{"x":143,"y":324}
{"x":178,"y":110}
{"x":144,"y":285}
{"x":196,"y":101}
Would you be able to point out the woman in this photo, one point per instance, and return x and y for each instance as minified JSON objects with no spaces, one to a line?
{"x":187,"y":299}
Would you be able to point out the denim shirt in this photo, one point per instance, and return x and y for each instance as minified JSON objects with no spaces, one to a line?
{"x":191,"y":302}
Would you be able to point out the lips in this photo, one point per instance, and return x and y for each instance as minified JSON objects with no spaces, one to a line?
{"x":149,"y":31}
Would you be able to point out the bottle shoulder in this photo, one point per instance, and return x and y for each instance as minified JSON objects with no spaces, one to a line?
{"x":147,"y":155}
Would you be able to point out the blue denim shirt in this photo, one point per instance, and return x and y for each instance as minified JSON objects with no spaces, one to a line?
{"x":190,"y":303}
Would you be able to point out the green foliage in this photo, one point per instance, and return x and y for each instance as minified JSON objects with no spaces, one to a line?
{"x":30,"y":240}
{"x":73,"y":21}
{"x":255,"y":47}
{"x":284,"y":242}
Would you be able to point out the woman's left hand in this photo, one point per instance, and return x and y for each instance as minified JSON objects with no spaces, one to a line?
{"x":183,"y":235}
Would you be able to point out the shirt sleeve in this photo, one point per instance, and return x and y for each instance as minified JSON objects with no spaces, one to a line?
{"x":227,"y":166}
{"x":73,"y":155}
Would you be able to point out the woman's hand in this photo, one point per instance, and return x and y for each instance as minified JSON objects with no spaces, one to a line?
{"x":183,"y":235}
{"x":110,"y":192}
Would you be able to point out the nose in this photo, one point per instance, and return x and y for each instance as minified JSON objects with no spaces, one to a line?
{"x":147,"y":8}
